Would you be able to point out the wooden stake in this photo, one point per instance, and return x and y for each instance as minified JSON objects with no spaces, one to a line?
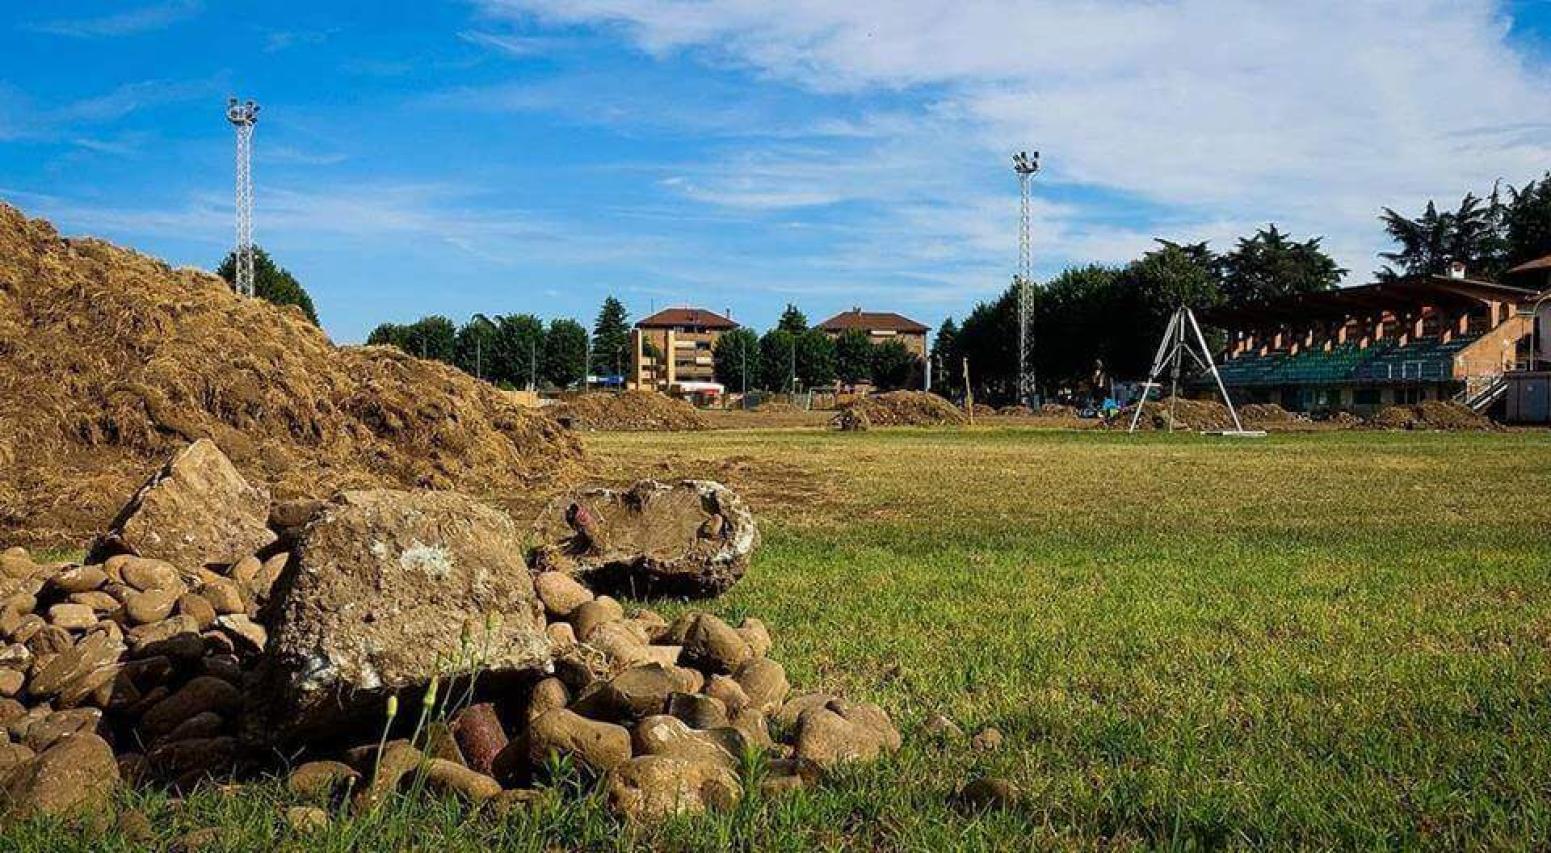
{"x":969,"y":396}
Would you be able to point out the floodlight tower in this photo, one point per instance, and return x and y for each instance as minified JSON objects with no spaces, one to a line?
{"x":243,"y":117}
{"x":1025,"y":166}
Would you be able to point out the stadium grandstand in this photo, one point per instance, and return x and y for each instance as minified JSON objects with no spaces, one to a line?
{"x":1359,"y":349}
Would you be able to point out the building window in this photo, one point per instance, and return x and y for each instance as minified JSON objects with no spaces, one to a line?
{"x":1365,"y":397}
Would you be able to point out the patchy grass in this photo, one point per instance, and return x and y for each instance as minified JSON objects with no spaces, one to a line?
{"x":1325,"y":640}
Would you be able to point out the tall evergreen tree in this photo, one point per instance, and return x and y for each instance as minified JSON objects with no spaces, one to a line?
{"x":792,"y":320}
{"x":946,"y":374}
{"x":271,"y":283}
{"x":611,"y":339}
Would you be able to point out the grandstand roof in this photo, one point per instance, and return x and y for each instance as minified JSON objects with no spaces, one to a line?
{"x":1405,"y":293}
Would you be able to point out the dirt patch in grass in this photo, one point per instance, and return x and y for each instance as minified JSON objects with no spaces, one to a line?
{"x":110,"y":360}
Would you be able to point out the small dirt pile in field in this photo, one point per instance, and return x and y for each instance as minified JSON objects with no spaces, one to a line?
{"x":777,"y":406}
{"x":1443,"y":415}
{"x":1265,"y":413}
{"x":1057,"y":410}
{"x":1196,"y":415}
{"x":110,"y":359}
{"x":1014,"y":411}
{"x":898,"y":408}
{"x":628,"y":411}
{"x":183,"y":668}
{"x":983,"y":410}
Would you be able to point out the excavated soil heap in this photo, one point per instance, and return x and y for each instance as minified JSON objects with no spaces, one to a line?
{"x":1265,"y":413}
{"x":900,"y":408}
{"x":1432,"y":415}
{"x":110,"y":360}
{"x":629,"y":411}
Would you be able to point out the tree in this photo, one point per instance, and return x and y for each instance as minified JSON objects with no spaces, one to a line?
{"x":270,"y":282}
{"x":892,"y":365}
{"x":815,"y":359}
{"x":565,"y":353}
{"x":735,"y":359}
{"x":389,"y":335}
{"x":611,"y":338}
{"x":946,"y":372}
{"x":777,"y":358}
{"x":1527,"y":222}
{"x":1470,"y":234}
{"x":792,"y":320}
{"x":1270,"y":266}
{"x":853,"y":356}
{"x":475,"y":347}
{"x":519,"y":348}
{"x":432,"y":337}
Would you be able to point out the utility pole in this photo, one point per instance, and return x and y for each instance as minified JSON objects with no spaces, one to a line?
{"x":1025,"y":166}
{"x":244,"y":117}
{"x":533,"y":366}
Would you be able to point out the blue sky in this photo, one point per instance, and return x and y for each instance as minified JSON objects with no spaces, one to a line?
{"x":516,"y":155}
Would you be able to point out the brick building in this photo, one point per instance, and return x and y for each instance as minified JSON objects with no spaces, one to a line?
{"x":1361,"y":348}
{"x":880,"y":326}
{"x":670,"y":351}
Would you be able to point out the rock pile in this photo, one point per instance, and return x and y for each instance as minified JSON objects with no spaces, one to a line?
{"x":628,"y":411}
{"x":203,"y":643}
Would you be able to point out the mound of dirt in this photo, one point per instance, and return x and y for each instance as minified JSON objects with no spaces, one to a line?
{"x":775,"y":406}
{"x":1057,"y":410}
{"x":110,"y":360}
{"x":1014,"y":411}
{"x":1197,"y":415}
{"x":1433,"y":415}
{"x":628,"y":411}
{"x":1265,"y":413}
{"x":984,"y":411}
{"x":899,"y":408}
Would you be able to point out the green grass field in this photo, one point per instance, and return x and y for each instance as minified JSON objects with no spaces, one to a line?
{"x":1319,"y":640}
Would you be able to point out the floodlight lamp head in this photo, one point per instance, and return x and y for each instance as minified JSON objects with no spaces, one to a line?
{"x":1025,"y":164}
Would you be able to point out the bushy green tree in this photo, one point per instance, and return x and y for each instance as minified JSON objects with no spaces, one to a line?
{"x":271,"y":282}
{"x":736,"y":360}
{"x":565,"y":353}
{"x":1527,"y":222}
{"x":815,"y":359}
{"x":434,"y":337}
{"x":777,"y":360}
{"x":1271,"y":265}
{"x":519,"y":350}
{"x":853,"y":356}
{"x":893,"y":366}
{"x":611,"y":339}
{"x":475,"y":347}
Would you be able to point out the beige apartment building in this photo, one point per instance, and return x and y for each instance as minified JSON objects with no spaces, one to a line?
{"x":671,"y":349}
{"x":880,"y":326}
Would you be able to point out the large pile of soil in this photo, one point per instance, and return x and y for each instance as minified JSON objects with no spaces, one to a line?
{"x":1433,"y":415}
{"x":1265,"y":413}
{"x":899,"y":408}
{"x":1207,"y":415}
{"x":109,"y":360}
{"x":629,"y":411}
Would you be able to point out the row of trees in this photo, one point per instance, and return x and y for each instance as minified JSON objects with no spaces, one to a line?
{"x":1509,"y":226}
{"x":519,"y":349}
{"x":1110,"y":318}
{"x":792,"y":356}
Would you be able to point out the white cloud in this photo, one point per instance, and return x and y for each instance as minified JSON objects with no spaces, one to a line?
{"x":126,"y":22}
{"x":1228,"y":113}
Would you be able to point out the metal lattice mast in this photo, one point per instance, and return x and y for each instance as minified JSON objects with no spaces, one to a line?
{"x":243,"y":117}
{"x":1025,"y":166}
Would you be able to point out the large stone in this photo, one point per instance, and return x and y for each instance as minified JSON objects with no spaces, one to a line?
{"x":655,"y":787}
{"x":692,"y":537}
{"x":665,"y":735}
{"x":842,"y":731}
{"x":713,"y":645}
{"x":386,"y":587}
{"x":196,"y":511}
{"x":596,"y":745}
{"x":76,"y":776}
{"x":480,"y":737}
{"x":764,"y":682}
